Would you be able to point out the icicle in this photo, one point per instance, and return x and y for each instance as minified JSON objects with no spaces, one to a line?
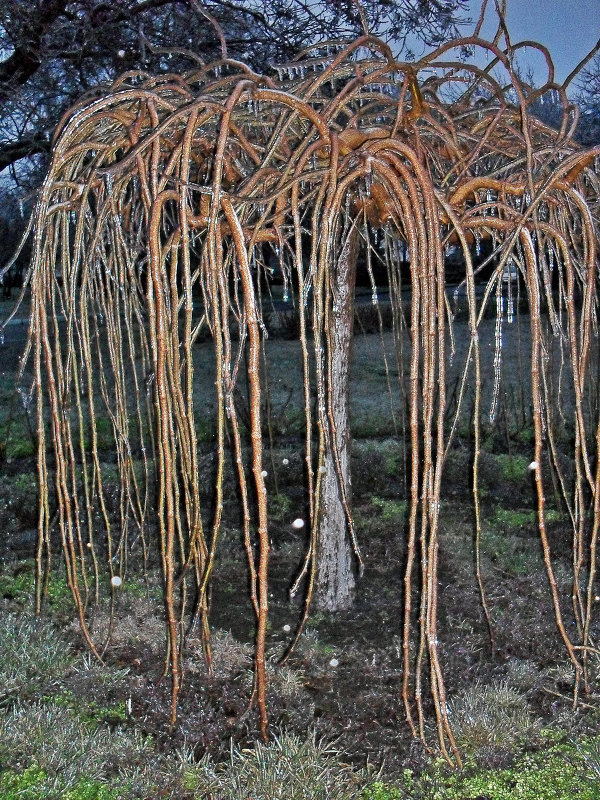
{"x":477,"y":236}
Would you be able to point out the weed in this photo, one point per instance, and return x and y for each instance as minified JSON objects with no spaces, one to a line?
{"x":287,"y":682}
{"x":229,"y":656}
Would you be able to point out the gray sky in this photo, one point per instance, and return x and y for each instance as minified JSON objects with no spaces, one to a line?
{"x":568,"y":28}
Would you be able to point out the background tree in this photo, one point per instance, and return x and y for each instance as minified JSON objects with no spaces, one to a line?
{"x":588,"y":98}
{"x":55,"y":50}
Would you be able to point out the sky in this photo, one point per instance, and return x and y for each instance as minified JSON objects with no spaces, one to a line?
{"x":568,"y":28}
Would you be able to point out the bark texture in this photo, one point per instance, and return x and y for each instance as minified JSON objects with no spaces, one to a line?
{"x":335,"y":559}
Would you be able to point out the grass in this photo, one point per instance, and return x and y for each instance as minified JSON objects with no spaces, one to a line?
{"x":31,"y":653}
{"x":62,"y":755}
{"x":288,"y":768}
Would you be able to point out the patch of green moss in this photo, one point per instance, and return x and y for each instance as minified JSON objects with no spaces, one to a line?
{"x":513,"y":518}
{"x":24,"y":785}
{"x":18,"y":583}
{"x":35,"y":784}
{"x":205,"y":430}
{"x":391,"y":510}
{"x":115,"y":715}
{"x":279,"y":506}
{"x":379,"y":791}
{"x":513,"y":554}
{"x":563,"y":771}
{"x":512,"y":467}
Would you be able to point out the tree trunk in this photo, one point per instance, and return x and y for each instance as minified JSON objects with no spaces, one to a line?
{"x":335,"y":558}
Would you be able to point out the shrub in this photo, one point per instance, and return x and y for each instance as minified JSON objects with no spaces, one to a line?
{"x":489,"y":719}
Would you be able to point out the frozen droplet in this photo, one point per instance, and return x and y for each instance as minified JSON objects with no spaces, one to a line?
{"x":264,"y":473}
{"x":298,"y":523}
{"x":287,"y":628}
{"x":121,"y":53}
{"x":334,"y":662}
{"x":322,"y":469}
{"x":116,"y":581}
{"x":89,"y":544}
{"x":285,"y":461}
{"x":533,"y":466}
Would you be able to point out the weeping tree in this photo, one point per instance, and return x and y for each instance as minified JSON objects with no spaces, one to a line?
{"x":167,"y":199}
